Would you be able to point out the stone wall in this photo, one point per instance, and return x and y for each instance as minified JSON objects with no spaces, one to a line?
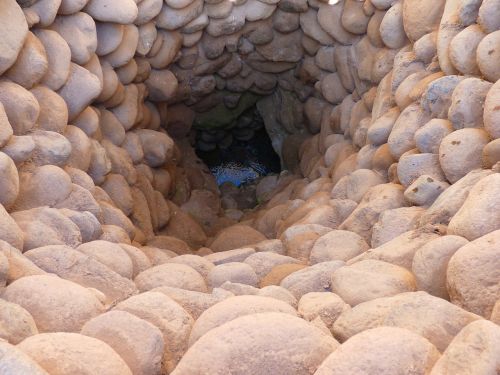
{"x":120,"y":255}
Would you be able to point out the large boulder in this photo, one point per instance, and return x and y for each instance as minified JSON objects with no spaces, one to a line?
{"x":47,"y":226}
{"x":14,"y":361}
{"x":14,"y":29}
{"x":55,"y":304}
{"x":71,"y":353}
{"x":263,"y":343}
{"x":236,"y":236}
{"x":16,"y":323}
{"x":75,"y":266}
{"x":173,"y":275}
{"x":473,"y":273}
{"x":137,"y":341}
{"x":235,"y":307}
{"x":383,"y":350}
{"x":168,"y":316}
{"x":371,"y":279}
{"x":480,"y":213}
{"x":433,"y":318}
{"x":476,"y":349}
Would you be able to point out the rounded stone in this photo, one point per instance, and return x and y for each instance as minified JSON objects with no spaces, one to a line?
{"x":264,"y":343}
{"x":234,"y":272}
{"x":337,"y":245}
{"x":9,"y":181}
{"x":55,"y":304}
{"x":14,"y":29}
{"x":233,"y":308}
{"x":173,"y":275}
{"x":371,"y":279}
{"x":461,"y":151}
{"x":383,"y":350}
{"x":473,"y":273}
{"x":138,"y":342}
{"x":71,"y":353}
{"x":168,"y":316}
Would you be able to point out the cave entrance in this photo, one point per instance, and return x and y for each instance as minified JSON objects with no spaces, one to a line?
{"x":235,"y":145}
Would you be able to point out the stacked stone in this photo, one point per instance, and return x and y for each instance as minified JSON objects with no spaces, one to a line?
{"x":379,"y":251}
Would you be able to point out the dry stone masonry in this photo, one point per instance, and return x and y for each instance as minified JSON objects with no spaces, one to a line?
{"x":376,"y":250}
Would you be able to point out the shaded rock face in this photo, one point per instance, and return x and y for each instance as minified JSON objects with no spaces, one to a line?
{"x":375,"y":247}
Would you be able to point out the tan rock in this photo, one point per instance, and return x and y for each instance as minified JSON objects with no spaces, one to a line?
{"x":315,"y":278}
{"x":20,"y":105}
{"x":474,"y":349}
{"x":16,"y":323}
{"x":15,"y":30}
{"x":72,"y":265}
{"x":138,"y":342}
{"x":15,"y":361}
{"x":402,"y":346}
{"x":479,"y":213}
{"x":60,"y":353}
{"x":173,"y":275}
{"x":31,"y":64}
{"x":233,"y":308}
{"x":55,"y":304}
{"x":472,"y":275}
{"x":370,"y":279}
{"x":274,"y":336}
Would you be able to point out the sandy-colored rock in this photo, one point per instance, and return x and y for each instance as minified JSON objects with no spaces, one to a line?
{"x":472,"y":275}
{"x":51,"y":148}
{"x":43,"y":226}
{"x":75,"y":266}
{"x":236,"y":236}
{"x":326,"y":306}
{"x":431,"y":261}
{"x":173,"y":275}
{"x":370,"y":279}
{"x":279,"y":339}
{"x":16,"y":323}
{"x":479,"y":213}
{"x":315,"y":278}
{"x":31,"y":64}
{"x":461,"y":151}
{"x":428,"y":138}
{"x":9,"y":230}
{"x":337,"y":245}
{"x":474,"y":349}
{"x":109,"y":254}
{"x":138,"y":342}
{"x":62,"y":353}
{"x":20,"y":105}
{"x":394,"y":222}
{"x":79,"y":31}
{"x":433,"y":318}
{"x":234,"y":272}
{"x":9,"y":181}
{"x":264,"y":262}
{"x":14,"y":30}
{"x":108,"y":11}
{"x":14,"y":361}
{"x":487,"y":56}
{"x":193,"y":302}
{"x":81,"y":88}
{"x":376,"y":200}
{"x":169,"y":317}
{"x":233,"y":308}
{"x":366,"y":349}
{"x":451,"y":200}
{"x":55,"y":304}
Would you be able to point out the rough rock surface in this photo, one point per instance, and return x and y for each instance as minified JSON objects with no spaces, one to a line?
{"x":381,"y":231}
